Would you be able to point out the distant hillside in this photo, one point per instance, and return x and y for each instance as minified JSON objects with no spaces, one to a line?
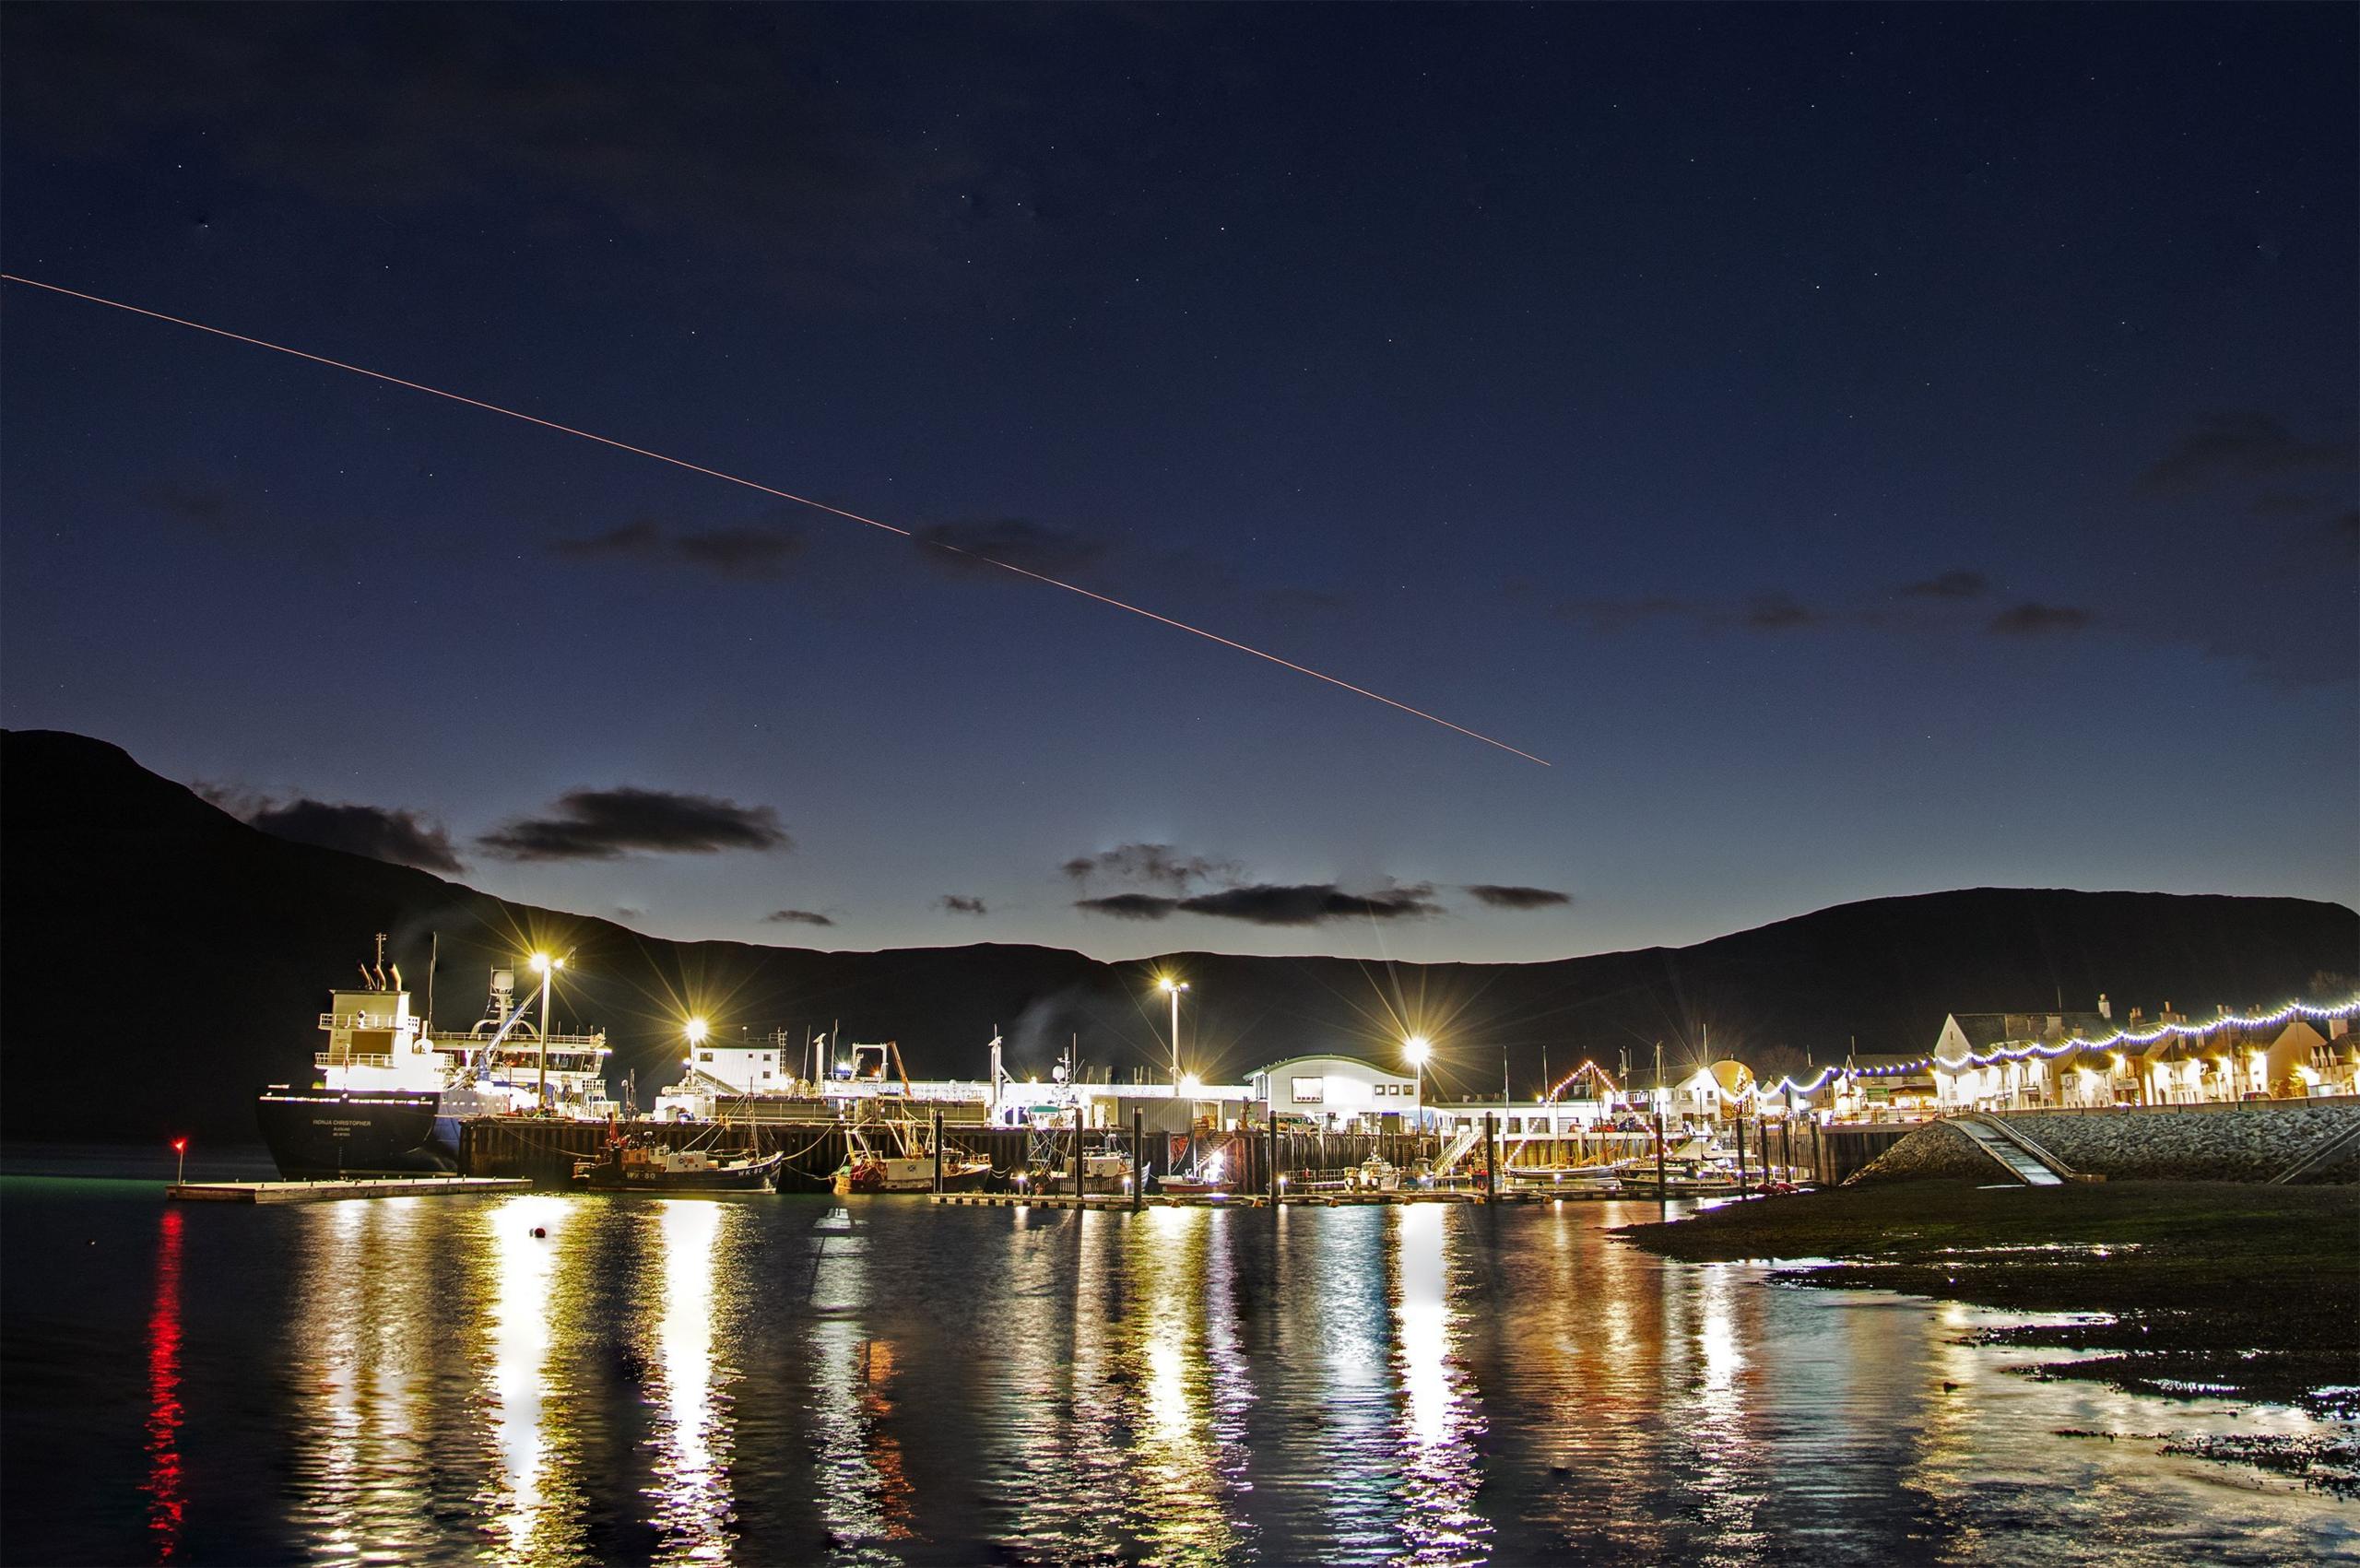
{"x":159,"y":960}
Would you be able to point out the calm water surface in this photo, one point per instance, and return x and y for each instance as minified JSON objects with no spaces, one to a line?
{"x":423,"y":1380}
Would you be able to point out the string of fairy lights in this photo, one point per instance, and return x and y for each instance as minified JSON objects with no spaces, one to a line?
{"x":1788,"y":1087}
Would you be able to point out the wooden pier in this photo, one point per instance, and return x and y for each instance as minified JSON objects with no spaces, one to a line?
{"x":333,"y":1191}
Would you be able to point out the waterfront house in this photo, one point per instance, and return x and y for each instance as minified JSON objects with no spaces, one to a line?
{"x":2008,"y":1061}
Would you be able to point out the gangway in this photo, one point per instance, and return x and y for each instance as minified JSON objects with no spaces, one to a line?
{"x":1466,"y":1139}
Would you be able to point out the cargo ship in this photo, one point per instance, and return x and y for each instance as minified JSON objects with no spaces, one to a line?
{"x":390,"y":1093}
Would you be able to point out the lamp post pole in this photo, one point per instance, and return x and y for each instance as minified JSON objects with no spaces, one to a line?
{"x":548,"y":968}
{"x":1173,"y":988}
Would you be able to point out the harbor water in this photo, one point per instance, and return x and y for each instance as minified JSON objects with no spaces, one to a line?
{"x":554,"y":1379}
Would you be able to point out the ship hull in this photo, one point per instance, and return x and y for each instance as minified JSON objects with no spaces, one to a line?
{"x":324,"y":1132}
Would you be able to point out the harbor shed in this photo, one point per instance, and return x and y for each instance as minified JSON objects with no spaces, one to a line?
{"x":1338,"y":1093}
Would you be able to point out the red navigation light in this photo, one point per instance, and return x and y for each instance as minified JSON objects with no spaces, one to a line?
{"x":179,"y":1146}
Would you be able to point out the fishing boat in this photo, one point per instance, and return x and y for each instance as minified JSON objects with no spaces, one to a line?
{"x":1377,"y":1173}
{"x":1105,"y":1170}
{"x":631,"y":1164}
{"x":1209,"y":1177}
{"x":903,"y":1165}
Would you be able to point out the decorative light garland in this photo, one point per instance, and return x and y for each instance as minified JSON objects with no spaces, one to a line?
{"x":2119,"y":1037}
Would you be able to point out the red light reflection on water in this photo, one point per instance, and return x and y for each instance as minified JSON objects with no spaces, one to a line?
{"x":163,"y":1485}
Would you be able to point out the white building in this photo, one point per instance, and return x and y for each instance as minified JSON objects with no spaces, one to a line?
{"x":1337,"y":1094}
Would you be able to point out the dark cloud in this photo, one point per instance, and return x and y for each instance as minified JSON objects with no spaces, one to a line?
{"x":1158,"y":865}
{"x":2242,"y":445}
{"x":737,"y":552}
{"x":959,"y":904}
{"x":2031,"y":619}
{"x":205,"y":506}
{"x":1269,"y":903}
{"x":404,"y":838}
{"x":971,"y":547}
{"x":1957,"y":585}
{"x":1128,"y":906}
{"x":603,"y":824}
{"x":1509,"y":896}
{"x":1780,"y":612}
{"x":796,"y":917}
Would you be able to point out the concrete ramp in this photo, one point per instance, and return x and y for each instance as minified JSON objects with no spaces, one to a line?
{"x":2328,"y":1153}
{"x":2016,"y":1153}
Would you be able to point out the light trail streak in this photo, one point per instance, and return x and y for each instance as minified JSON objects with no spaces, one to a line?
{"x":782,"y":495}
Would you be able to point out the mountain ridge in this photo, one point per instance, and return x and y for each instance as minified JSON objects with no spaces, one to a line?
{"x":115,"y":882}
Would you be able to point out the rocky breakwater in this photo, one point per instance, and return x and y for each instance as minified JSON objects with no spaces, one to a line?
{"x":1937,"y":1151}
{"x":2195,"y":1143}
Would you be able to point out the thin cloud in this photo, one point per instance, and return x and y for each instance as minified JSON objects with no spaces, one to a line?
{"x":1768,"y":612}
{"x":959,"y":904}
{"x":1959,"y":584}
{"x":606,"y":824}
{"x":205,"y":506}
{"x":1015,"y":541}
{"x":2032,"y":619}
{"x":2239,"y":446}
{"x":402,"y":838}
{"x":1157,"y":865}
{"x":735,"y":552}
{"x":740,"y":552}
{"x":1780,"y":612}
{"x":1510,"y":896}
{"x":796,"y":917}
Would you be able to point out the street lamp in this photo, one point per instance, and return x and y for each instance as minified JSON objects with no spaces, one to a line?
{"x":698,"y":1029}
{"x":546,"y":967}
{"x":1173,"y":988}
{"x":1416,"y":1049}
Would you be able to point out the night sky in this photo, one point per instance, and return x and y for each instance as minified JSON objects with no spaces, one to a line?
{"x":1864,"y":450}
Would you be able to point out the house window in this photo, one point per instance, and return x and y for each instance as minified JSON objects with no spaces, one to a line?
{"x":708,"y":1057}
{"x":1310,"y":1090}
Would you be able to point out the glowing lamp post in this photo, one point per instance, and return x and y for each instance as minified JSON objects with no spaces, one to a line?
{"x":1173,"y":988}
{"x":1415,"y":1050}
{"x":179,"y":1147}
{"x":547,"y":968}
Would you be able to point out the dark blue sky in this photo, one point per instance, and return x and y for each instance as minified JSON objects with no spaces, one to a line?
{"x":1866,"y":450}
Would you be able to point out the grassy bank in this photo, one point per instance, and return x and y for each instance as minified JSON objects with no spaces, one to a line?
{"x":2211,"y":1286}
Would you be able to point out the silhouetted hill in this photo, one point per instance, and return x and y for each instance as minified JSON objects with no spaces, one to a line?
{"x":159,"y":960}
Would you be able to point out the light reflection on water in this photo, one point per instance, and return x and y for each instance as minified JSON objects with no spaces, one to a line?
{"x":700,"y":1382}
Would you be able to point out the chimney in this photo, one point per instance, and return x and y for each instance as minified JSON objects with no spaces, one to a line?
{"x":2106,"y":1008}
{"x":2337,"y":1028}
